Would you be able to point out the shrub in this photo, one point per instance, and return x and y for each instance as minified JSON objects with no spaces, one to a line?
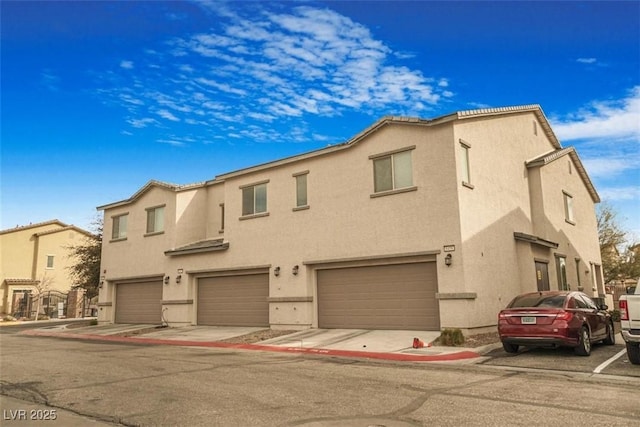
{"x":451,"y":337}
{"x":93,"y":322}
{"x":615,"y":315}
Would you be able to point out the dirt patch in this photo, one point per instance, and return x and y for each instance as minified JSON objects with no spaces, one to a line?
{"x":258,"y":336}
{"x":477,"y":340}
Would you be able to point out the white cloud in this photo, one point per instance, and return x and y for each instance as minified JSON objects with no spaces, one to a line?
{"x":603,"y":165}
{"x":165,"y":114}
{"x":603,"y":119}
{"x":263,"y":65}
{"x":586,"y":60}
{"x":620,"y":193}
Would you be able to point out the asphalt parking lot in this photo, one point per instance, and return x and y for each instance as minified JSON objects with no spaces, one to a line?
{"x":602,"y":361}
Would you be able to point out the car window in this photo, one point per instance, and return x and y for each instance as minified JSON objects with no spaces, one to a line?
{"x":588,"y":302}
{"x":537,"y":300}
{"x":571,"y":303}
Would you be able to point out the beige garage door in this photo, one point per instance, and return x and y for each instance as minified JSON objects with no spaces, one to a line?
{"x":379,"y":297}
{"x":139,"y":302}
{"x":234,"y":300}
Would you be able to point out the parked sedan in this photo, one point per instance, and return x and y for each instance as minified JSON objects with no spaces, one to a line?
{"x":555,"y":319}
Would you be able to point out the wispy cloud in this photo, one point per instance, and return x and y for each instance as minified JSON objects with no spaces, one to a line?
{"x":586,"y":60}
{"x":618,"y":119}
{"x":620,"y":193}
{"x":261,"y":66}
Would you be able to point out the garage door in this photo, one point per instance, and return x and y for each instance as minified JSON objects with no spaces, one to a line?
{"x":234,"y":300}
{"x":401,"y":297}
{"x":139,"y":302}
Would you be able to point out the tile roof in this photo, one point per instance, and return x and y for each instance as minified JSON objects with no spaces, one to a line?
{"x":208,"y":245}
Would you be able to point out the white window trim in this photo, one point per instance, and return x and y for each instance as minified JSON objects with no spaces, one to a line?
{"x":306,"y":205}
{"x":259,"y":214}
{"x":466,"y":163}
{"x":391,"y":153}
{"x":154,"y":233}
{"x":113,"y":217}
{"x":569,"y":214}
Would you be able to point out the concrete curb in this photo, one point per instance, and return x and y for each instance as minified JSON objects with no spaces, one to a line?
{"x":400,"y":357}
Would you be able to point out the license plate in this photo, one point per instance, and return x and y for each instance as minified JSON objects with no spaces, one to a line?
{"x":528,"y":320}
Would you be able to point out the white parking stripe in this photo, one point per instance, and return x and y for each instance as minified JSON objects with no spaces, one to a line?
{"x":608,"y":362}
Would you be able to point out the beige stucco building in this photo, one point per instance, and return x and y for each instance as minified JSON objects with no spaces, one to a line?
{"x":412,"y":224}
{"x":36,"y":256}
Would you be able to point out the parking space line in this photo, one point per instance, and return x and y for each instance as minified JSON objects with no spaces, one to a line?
{"x":608,"y":362}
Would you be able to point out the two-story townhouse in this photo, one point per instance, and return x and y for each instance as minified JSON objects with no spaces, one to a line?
{"x":412,"y":224}
{"x":34,"y":258}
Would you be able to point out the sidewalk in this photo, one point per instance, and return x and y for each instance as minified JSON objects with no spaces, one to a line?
{"x":351,"y":343}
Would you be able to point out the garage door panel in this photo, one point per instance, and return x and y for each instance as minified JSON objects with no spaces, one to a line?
{"x":234,"y":300}
{"x":139,"y":302}
{"x":379,"y":297}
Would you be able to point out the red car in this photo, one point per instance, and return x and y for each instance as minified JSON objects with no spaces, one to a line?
{"x":555,"y":319}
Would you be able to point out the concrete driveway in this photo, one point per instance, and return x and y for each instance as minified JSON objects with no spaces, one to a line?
{"x":377,"y":344}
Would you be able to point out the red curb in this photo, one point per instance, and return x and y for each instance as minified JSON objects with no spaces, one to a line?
{"x":401,"y":357}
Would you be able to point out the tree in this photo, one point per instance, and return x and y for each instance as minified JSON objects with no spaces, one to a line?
{"x":86,"y":270}
{"x":620,"y":258}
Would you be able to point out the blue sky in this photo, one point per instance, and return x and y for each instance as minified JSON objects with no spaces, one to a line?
{"x":100,"y":97}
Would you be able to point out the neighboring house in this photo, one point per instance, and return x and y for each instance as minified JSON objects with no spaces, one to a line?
{"x":35,"y":258}
{"x":412,"y":224}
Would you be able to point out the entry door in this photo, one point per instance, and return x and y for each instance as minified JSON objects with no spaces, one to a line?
{"x":542,"y":276}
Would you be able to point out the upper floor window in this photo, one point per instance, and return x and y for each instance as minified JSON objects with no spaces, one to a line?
{"x":50,"y":261}
{"x":568,"y":208}
{"x":392,"y":171}
{"x":119,"y":229}
{"x":301,"y":189}
{"x":155,"y":219}
{"x":254,"y":199}
{"x":465,"y":168}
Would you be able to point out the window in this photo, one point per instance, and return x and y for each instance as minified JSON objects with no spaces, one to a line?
{"x":301,"y":190}
{"x":392,"y":171}
{"x":561,"y":266}
{"x":119,"y":230}
{"x":49,"y":261}
{"x":464,"y":164}
{"x":568,"y":208}
{"x":155,"y":219}
{"x":221,"y":218}
{"x":254,"y":199}
{"x":578,"y":272}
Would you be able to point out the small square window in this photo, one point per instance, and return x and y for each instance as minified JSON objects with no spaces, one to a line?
{"x":119,"y":230}
{"x":155,"y":219}
{"x":392,"y":172}
{"x":50,"y":261}
{"x":254,"y":199}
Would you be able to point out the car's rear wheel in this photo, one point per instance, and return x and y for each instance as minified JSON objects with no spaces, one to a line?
{"x":584,"y":343}
{"x":510,"y":348}
{"x":611,"y":335}
{"x":633,"y":353}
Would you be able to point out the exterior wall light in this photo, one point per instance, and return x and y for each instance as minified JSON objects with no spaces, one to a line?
{"x":276,"y":271}
{"x":448,"y":260}
{"x":178,"y":278}
{"x":166,"y":280}
{"x":295,"y":270}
